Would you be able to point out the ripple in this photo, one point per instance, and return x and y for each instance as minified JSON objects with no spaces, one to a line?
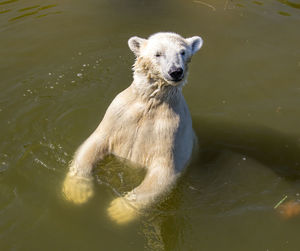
{"x":258,"y":3}
{"x":282,"y":13}
{"x":29,"y":8}
{"x":36,"y":9}
{"x":24,"y":15}
{"x":4,"y":11}
{"x":50,"y":13}
{"x":14,"y":11}
{"x":48,"y":6}
{"x":290,"y":3}
{"x":8,"y":2}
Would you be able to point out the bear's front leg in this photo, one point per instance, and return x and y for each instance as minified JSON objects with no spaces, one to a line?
{"x":78,"y":189}
{"x":78,"y":184}
{"x":159,"y":180}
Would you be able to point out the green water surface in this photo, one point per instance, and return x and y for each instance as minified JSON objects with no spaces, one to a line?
{"x":61,"y":64}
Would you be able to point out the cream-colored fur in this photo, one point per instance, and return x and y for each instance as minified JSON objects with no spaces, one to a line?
{"x":148,"y":123}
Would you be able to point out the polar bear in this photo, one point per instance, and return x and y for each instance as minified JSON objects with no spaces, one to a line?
{"x":148,"y":123}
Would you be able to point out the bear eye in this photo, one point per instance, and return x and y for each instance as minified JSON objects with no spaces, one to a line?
{"x":158,"y":54}
{"x":182,"y":53}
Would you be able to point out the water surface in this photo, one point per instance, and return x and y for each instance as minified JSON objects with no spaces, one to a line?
{"x":61,"y":64}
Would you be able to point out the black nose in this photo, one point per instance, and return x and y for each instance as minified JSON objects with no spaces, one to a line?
{"x":176,"y":74}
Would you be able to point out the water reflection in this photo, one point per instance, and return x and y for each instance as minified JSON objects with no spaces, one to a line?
{"x":269,"y":153}
{"x":279,"y":151}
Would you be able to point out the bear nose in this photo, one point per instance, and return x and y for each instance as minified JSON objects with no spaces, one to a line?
{"x":176,"y":73}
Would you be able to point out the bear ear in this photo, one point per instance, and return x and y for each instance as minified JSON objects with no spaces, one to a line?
{"x":195,"y":43}
{"x":135,"y":44}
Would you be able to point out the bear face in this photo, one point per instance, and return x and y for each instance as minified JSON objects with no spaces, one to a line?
{"x":164,"y":56}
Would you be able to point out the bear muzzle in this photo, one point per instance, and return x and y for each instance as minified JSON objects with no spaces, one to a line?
{"x":176,"y":74}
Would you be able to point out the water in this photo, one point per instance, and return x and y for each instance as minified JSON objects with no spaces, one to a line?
{"x":61,"y":64}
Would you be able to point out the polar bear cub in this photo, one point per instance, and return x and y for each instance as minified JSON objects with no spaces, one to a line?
{"x":148,"y":123}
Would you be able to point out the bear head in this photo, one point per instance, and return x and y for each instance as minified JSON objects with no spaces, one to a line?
{"x":164,"y":57}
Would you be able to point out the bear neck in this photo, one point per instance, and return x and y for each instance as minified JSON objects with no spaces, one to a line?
{"x":149,"y":84}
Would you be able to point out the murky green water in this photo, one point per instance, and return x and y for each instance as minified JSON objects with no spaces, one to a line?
{"x":61,"y":64}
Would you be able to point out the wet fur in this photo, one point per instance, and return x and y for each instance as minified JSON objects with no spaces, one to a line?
{"x":149,"y":124}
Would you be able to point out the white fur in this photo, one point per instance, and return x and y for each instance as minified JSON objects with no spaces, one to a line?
{"x":148,"y":123}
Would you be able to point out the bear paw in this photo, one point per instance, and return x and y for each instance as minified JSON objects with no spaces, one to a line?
{"x":122,"y":211}
{"x":77,"y":189}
